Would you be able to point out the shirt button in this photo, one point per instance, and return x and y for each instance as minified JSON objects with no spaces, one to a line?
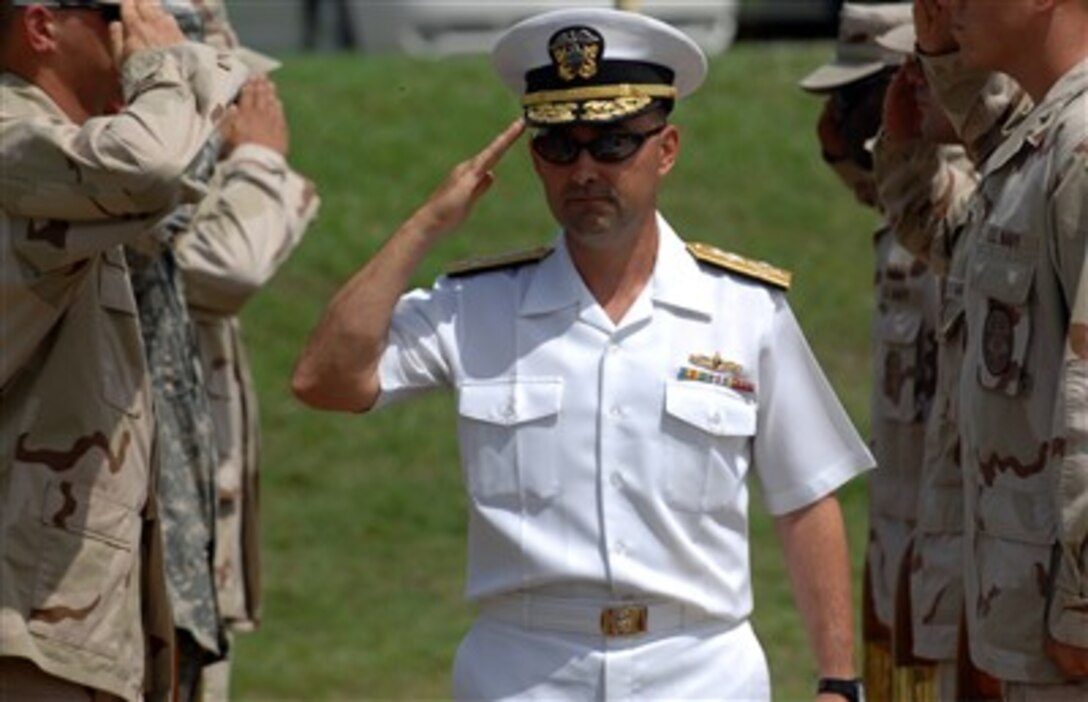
{"x":508,"y":412}
{"x":617,"y":412}
{"x":619,"y":548}
{"x":618,"y":481}
{"x":715,"y":418}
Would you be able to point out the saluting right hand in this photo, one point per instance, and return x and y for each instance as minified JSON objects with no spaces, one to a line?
{"x":933,"y":27}
{"x":902,"y":118}
{"x":144,"y":25}
{"x":258,"y":118}
{"x":451,"y":204}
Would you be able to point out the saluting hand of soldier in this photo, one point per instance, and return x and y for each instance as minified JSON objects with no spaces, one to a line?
{"x":902,"y":118}
{"x":257,"y":118}
{"x":933,"y":27}
{"x":451,"y":204}
{"x":144,"y":25}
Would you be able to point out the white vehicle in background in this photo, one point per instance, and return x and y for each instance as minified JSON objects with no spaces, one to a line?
{"x":439,"y":28}
{"x":444,"y":27}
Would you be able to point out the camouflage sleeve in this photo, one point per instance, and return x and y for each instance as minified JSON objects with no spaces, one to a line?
{"x":254,"y":215}
{"x":1069,"y":206}
{"x":123,"y":164}
{"x":924,"y":189}
{"x":978,"y":103}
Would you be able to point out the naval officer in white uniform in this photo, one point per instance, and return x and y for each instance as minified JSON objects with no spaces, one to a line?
{"x":614,"y":390}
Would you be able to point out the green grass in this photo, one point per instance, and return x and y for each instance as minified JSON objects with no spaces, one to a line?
{"x":363,"y":517}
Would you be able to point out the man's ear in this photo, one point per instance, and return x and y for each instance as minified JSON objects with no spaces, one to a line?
{"x":670,"y":148}
{"x":40,"y":27}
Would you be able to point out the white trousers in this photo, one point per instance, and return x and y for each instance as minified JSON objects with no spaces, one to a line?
{"x":498,"y":660}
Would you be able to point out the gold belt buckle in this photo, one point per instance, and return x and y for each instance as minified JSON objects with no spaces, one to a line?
{"x":625,"y":620}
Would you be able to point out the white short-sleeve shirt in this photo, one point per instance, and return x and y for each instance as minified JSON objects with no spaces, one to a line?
{"x":605,"y":454}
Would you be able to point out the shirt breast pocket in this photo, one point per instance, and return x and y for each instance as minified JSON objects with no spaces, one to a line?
{"x":1005,"y":286}
{"x":707,"y":435}
{"x":507,"y":430}
{"x":899,"y":364}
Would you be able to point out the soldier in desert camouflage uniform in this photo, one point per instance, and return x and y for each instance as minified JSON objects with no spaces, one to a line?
{"x":228,"y":247}
{"x":904,"y":344}
{"x":924,"y":180}
{"x":1027,"y":232}
{"x":76,"y":421}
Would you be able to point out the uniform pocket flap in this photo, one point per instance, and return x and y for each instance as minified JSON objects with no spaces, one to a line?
{"x":82,"y":510}
{"x":114,"y":288}
{"x":716,"y":411}
{"x":510,"y":402}
{"x":900,"y":326}
{"x":952,"y":312}
{"x":1006,"y":281}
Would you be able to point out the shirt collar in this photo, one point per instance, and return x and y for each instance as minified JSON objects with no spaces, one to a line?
{"x":676,"y":280}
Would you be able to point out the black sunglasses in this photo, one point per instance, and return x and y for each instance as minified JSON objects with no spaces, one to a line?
{"x":560,"y":148}
{"x":109,"y":13}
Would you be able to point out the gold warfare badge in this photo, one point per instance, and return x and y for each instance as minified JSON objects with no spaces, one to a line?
{"x":576,"y":52}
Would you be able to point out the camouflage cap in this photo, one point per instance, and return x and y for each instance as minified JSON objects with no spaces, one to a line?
{"x":858,"y":55}
{"x":193,"y":23}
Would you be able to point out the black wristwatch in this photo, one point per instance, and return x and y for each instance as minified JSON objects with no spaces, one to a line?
{"x":848,"y":689}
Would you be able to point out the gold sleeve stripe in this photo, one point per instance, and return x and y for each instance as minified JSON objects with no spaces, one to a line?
{"x":758,"y":270}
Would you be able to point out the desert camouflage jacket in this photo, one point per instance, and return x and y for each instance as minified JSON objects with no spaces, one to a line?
{"x":1023,"y":448}
{"x":75,"y":415}
{"x":255,"y":214}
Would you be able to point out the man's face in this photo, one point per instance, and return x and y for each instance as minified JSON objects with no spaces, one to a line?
{"x":989,"y":32}
{"x":595,"y":200}
{"x":84,"y":58}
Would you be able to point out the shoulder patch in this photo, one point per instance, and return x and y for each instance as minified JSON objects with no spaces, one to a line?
{"x":758,"y":270}
{"x":485,"y":264}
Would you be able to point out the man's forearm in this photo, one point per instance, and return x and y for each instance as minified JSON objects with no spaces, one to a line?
{"x":814,"y":540}
{"x":338,"y":368}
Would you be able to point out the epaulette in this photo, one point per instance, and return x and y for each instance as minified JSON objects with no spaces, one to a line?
{"x":484,"y":264}
{"x":758,"y":270}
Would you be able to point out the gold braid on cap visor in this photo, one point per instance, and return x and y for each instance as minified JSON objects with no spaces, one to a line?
{"x":598,"y":103}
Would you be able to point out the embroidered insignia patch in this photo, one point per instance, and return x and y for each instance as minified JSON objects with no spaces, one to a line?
{"x":715,"y":370}
{"x":576,"y":52}
{"x":997,"y":340}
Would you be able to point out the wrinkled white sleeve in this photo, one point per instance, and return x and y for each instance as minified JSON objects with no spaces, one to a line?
{"x":806,"y":447}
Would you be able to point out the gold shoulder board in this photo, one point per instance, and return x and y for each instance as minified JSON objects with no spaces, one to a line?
{"x":484,"y":264}
{"x":763,"y":272}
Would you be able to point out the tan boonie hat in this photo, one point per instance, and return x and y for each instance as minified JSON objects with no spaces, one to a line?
{"x":596,"y":65}
{"x":901,"y":39}
{"x":857,"y":53}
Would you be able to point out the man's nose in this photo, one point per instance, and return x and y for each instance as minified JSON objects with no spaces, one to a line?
{"x":585,"y":168}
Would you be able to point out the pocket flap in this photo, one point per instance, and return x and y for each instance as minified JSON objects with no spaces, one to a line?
{"x":1007,"y":281}
{"x":900,"y":326}
{"x":83,"y":510}
{"x":114,"y":288}
{"x":511,"y":401}
{"x":716,"y":411}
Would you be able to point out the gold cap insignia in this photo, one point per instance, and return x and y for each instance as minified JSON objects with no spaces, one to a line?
{"x":575,"y":52}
